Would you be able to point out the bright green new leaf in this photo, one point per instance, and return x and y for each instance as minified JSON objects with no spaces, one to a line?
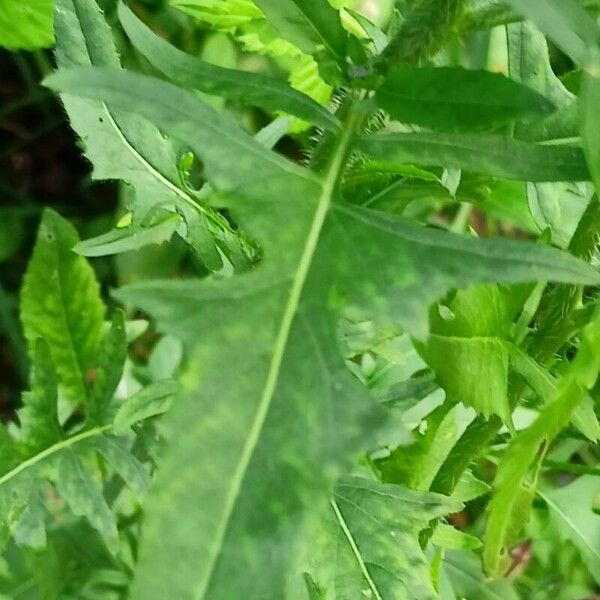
{"x":247,"y":88}
{"x":492,"y":155}
{"x":311,"y":25}
{"x":417,"y":464}
{"x":248,"y":25}
{"x":447,"y":537}
{"x":60,"y":302}
{"x":451,"y":98}
{"x":544,"y":385}
{"x":26,"y":24}
{"x":249,"y":466}
{"x":368,"y":545}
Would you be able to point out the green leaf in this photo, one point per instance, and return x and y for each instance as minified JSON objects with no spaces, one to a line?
{"x":544,"y":385}
{"x":449,"y":98}
{"x":590,"y":121}
{"x":529,"y":63}
{"x":369,"y":543}
{"x":558,"y":206}
{"x":119,"y":144}
{"x":26,"y":24}
{"x":572,"y":510}
{"x":76,"y":487}
{"x":463,"y":569}
{"x":39,"y":416}
{"x":417,"y":464}
{"x":447,"y":537}
{"x":247,"y":88}
{"x":513,"y":490}
{"x":253,"y":464}
{"x":565,"y":22}
{"x":109,"y":369}
{"x":150,"y":401}
{"x":126,"y":239}
{"x":60,"y":302}
{"x":119,"y":457}
{"x":309,"y":24}
{"x":492,"y":155}
{"x":244,"y":20}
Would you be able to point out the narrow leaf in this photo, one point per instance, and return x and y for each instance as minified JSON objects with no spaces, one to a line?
{"x":449,"y":98}
{"x":513,"y":491}
{"x":492,"y":155}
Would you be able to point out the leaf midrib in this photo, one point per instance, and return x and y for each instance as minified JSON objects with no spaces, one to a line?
{"x":355,"y":550}
{"x":62,"y":445}
{"x":329,"y":182}
{"x":594,"y":552}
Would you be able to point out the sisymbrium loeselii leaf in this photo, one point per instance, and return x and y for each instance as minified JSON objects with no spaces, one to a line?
{"x":339,"y":338}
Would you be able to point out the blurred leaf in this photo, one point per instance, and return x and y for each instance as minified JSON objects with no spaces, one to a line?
{"x":590,"y":121}
{"x":150,"y":401}
{"x":565,"y":22}
{"x":26,"y":24}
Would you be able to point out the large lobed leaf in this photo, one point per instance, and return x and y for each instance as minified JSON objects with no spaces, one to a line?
{"x":268,"y":428}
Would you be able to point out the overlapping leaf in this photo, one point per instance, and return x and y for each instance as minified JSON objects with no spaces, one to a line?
{"x":368,"y":544}
{"x":26,"y":24}
{"x":514,"y":485}
{"x":123,"y":146}
{"x":63,"y":316}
